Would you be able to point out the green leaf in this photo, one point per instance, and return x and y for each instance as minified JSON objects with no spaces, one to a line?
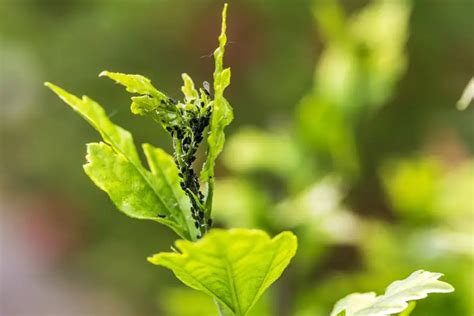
{"x":222,"y":113}
{"x":233,"y":266}
{"x":115,"y":167}
{"x":395,"y":300}
{"x":119,"y":138}
{"x":353,"y":302}
{"x":163,"y":168}
{"x":188,"y":89}
{"x":323,"y":127}
{"x":150,"y":98}
{"x":126,"y":186}
{"x":134,"y":83}
{"x":143,"y":104}
{"x":413,"y":186}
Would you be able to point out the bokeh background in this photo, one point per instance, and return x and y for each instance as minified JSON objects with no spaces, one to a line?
{"x":346,"y":132}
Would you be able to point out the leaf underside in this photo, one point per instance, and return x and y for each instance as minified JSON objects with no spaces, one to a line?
{"x":395,"y":300}
{"x":115,"y":167}
{"x":234,"y":266}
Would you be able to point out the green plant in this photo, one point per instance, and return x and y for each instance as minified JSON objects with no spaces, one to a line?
{"x":395,"y":299}
{"x":233,"y":266}
{"x":363,"y":58}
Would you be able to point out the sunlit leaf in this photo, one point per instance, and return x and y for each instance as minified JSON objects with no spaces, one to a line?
{"x":409,"y":309}
{"x":467,"y":96}
{"x":395,"y":300}
{"x":188,"y":89}
{"x":134,"y":83}
{"x":412,"y":186}
{"x":150,"y":98}
{"x":92,"y":112}
{"x":325,"y":129}
{"x":116,"y":168}
{"x":222,"y":113}
{"x":253,"y":150}
{"x":126,"y":187}
{"x":248,"y":210}
{"x":164,"y":169}
{"x":233,"y":266}
{"x":353,"y":302}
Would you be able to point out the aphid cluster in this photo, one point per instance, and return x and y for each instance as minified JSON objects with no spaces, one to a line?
{"x":186,"y":127}
{"x":185,"y":121}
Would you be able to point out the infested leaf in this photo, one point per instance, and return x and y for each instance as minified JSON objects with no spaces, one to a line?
{"x":222,"y":113}
{"x":150,"y":98}
{"x":115,"y":167}
{"x":134,"y":83}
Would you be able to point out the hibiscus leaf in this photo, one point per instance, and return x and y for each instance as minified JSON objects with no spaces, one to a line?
{"x":115,"y":167}
{"x":234,"y":266}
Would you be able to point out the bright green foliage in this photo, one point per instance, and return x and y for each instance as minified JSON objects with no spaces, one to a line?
{"x":114,"y":167}
{"x":364,"y":57}
{"x":120,"y":139}
{"x":412,"y":186}
{"x":234,"y":266}
{"x":188,"y":89}
{"x":248,"y":151}
{"x":395,"y":300}
{"x":163,"y":168}
{"x":133,"y":83}
{"x":247,"y":210}
{"x":150,"y":98}
{"x":159,"y":195}
{"x":355,"y":75}
{"x":222,"y":113}
{"x":185,"y":121}
{"x":325,"y":126}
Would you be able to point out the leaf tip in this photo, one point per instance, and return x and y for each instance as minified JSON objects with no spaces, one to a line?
{"x":290,"y":236}
{"x":51,"y":86}
{"x":152,"y":259}
{"x":224,"y":20}
{"x":104,"y":73}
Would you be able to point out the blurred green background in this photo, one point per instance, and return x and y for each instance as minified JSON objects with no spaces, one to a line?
{"x":346,"y":132}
